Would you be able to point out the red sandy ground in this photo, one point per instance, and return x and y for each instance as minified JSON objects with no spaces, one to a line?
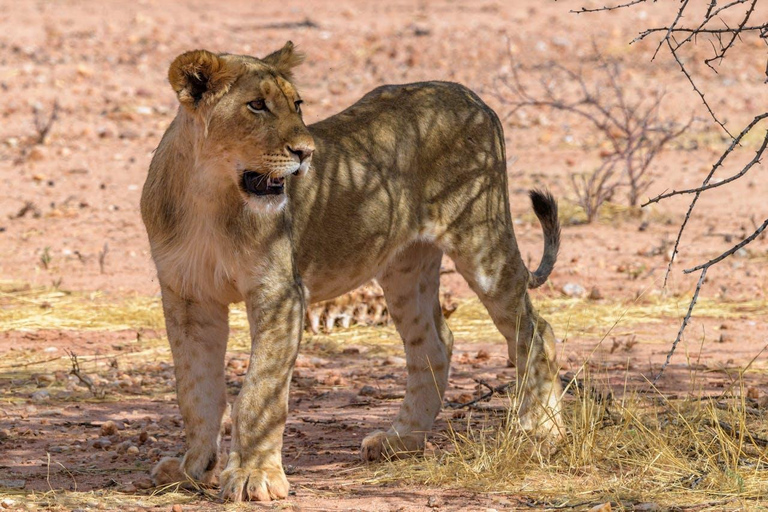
{"x":105,"y":64}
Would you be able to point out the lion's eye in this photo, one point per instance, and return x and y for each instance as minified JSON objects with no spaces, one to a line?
{"x":297,"y":104}
{"x":257,"y":106}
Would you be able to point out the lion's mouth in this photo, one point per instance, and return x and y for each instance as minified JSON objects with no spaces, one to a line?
{"x":259,"y":184}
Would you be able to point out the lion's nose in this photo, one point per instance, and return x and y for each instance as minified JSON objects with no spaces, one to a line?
{"x":303,"y":152}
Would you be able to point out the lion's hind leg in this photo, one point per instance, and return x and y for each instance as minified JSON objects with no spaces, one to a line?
{"x":491,"y":264}
{"x":411,"y":284}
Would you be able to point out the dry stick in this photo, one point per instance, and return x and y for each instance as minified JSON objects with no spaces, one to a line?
{"x":83,"y":378}
{"x":704,"y":183}
{"x":730,"y":251}
{"x":44,"y":128}
{"x":734,"y":35}
{"x":755,"y":160}
{"x":684,"y":324}
{"x":696,"y":88}
{"x":666,"y":38}
{"x":704,"y":267}
{"x":609,"y":7}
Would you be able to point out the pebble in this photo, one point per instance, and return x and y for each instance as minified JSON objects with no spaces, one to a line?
{"x":109,"y":428}
{"x":132,"y":450}
{"x":41,"y":395}
{"x":574,"y":290}
{"x":394,"y":361}
{"x":101,"y":443}
{"x":434,"y":502}
{"x":176,"y":508}
{"x":595,"y":293}
{"x":368,"y":391}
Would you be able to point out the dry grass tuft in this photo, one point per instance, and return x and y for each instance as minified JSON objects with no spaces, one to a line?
{"x":684,"y":453}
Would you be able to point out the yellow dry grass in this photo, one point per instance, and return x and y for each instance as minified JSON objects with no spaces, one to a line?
{"x":634,"y":450}
{"x":706,"y":454}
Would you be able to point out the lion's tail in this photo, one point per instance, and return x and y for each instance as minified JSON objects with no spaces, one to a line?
{"x":545,"y":207}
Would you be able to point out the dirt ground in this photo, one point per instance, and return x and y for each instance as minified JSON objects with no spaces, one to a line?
{"x":69,"y":224}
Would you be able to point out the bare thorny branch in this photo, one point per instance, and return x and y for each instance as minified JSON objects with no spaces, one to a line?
{"x":633,"y":128}
{"x":723,"y":38}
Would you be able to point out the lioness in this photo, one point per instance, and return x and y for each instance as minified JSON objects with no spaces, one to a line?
{"x":245,"y":202}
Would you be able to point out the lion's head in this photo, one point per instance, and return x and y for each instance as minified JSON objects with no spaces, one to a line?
{"x":247,"y":117}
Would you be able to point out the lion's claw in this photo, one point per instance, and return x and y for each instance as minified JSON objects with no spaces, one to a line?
{"x":240,"y":484}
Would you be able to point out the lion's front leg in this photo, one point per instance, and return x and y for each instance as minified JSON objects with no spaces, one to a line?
{"x":254,"y":470}
{"x":197,"y":333}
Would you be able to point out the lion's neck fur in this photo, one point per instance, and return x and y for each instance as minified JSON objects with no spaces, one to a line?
{"x":191,"y":207}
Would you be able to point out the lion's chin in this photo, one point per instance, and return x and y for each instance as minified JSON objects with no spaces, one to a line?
{"x":266,"y":205}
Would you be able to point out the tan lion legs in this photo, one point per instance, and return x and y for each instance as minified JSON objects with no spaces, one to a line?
{"x":495,"y":271}
{"x":411,"y":284}
{"x":197,"y":333}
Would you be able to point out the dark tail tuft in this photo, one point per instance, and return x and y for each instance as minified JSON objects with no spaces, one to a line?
{"x":545,"y":207}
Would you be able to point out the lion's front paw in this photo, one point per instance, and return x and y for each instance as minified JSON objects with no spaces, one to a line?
{"x":382,"y":445}
{"x":255,"y":484}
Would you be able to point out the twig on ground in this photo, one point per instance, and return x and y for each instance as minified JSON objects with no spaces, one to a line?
{"x":85,"y":379}
{"x":43,"y":125}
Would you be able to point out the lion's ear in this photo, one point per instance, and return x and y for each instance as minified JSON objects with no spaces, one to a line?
{"x":199,"y":77}
{"x":285,"y":59}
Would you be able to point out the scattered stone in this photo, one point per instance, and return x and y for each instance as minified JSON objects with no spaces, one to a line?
{"x":101,"y":443}
{"x":109,"y":428}
{"x":132,"y":450}
{"x":434,"y":502}
{"x":128,"y":489}
{"x":176,"y":508}
{"x":394,"y":361}
{"x":143,"y":436}
{"x":41,"y":395}
{"x":725,"y":337}
{"x":753,"y":393}
{"x":482,"y":355}
{"x":12,"y":483}
{"x":143,"y":483}
{"x":603,"y":507}
{"x":595,"y":294}
{"x":574,"y":290}
{"x":368,"y":391}
{"x":4,"y":434}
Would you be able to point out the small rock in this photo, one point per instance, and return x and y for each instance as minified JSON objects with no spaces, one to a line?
{"x":7,"y":503}
{"x":41,"y":395}
{"x":101,"y":443}
{"x":4,"y":434}
{"x":176,"y":508}
{"x":574,"y":290}
{"x":108,"y":429}
{"x":603,"y":507}
{"x":143,"y":483}
{"x":482,"y":355}
{"x":725,"y":337}
{"x":12,"y":484}
{"x":753,"y":393}
{"x":128,"y":488}
{"x":143,"y":436}
{"x":368,"y":391}
{"x":351,"y":351}
{"x":595,"y":294}
{"x":434,"y":502}
{"x":132,"y":450}
{"x":394,"y":361}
